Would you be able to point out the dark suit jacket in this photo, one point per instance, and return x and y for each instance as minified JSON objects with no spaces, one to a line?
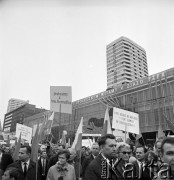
{"x":85,"y":163}
{"x":145,"y":173}
{"x":98,"y":169}
{"x":52,"y":161}
{"x":41,"y":167}
{"x":31,"y":172}
{"x":5,"y":161}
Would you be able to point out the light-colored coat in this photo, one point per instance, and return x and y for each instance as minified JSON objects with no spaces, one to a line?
{"x":54,"y":174}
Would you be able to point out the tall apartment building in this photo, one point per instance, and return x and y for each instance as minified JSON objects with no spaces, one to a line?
{"x":126,"y":61}
{"x":15,"y":103}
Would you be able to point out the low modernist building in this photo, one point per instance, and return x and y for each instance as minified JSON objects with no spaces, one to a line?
{"x":151,"y":97}
{"x":17,"y":116}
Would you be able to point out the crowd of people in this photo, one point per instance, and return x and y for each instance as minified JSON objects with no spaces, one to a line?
{"x":106,"y":159}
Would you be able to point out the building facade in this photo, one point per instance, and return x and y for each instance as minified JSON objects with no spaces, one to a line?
{"x":126,"y":61}
{"x":18,"y":115}
{"x":151,"y":97}
{"x":15,"y":103}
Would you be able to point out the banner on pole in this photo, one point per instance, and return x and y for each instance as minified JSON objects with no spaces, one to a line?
{"x":61,"y":96}
{"x":26,"y":132}
{"x":121,"y":118}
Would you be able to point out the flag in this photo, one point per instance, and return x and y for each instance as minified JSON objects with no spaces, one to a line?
{"x":0,"y":128}
{"x":156,"y":136}
{"x":138,"y":136}
{"x":34,"y":146}
{"x":49,"y":123}
{"x":170,"y":124}
{"x":17,"y":148}
{"x":160,"y":132}
{"x":106,"y":124}
{"x":16,"y":141}
{"x":78,"y":137}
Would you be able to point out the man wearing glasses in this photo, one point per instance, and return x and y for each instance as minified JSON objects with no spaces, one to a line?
{"x":124,"y":152}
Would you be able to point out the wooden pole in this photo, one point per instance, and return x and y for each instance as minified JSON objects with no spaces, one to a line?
{"x":125,"y":131}
{"x":59,"y":121}
{"x":80,"y":154}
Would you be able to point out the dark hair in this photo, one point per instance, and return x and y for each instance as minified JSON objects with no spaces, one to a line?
{"x":42,"y":152}
{"x":169,"y":140}
{"x":83,"y":147}
{"x":14,"y":173}
{"x":60,"y":178}
{"x":155,"y":157}
{"x":28,"y":149}
{"x":102,"y":139}
{"x":64,"y":151}
{"x":140,"y":146}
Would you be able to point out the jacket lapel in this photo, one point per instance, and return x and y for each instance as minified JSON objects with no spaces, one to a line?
{"x":31,"y":165}
{"x":19,"y":166}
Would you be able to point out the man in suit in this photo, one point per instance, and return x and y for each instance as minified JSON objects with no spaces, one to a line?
{"x":87,"y":160}
{"x":124,"y":152}
{"x":25,"y":165}
{"x":167,"y":155}
{"x":103,"y":166}
{"x":140,"y":170}
{"x":5,"y":160}
{"x":43,"y":165}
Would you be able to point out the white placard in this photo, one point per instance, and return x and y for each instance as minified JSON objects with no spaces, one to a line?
{"x":87,"y":142}
{"x":61,"y":96}
{"x":123,"y":118}
{"x":26,"y":132}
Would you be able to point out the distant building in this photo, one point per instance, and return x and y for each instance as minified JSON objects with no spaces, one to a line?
{"x":126,"y":61}
{"x":15,"y":103}
{"x":18,"y":115}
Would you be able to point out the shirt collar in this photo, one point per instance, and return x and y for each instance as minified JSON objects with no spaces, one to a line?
{"x":93,"y":156}
{"x":28,"y":162}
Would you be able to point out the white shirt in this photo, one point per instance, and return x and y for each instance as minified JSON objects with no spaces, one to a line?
{"x":93,"y":156}
{"x":0,"y":156}
{"x":27,"y":163}
{"x":140,"y":164}
{"x":43,"y":160}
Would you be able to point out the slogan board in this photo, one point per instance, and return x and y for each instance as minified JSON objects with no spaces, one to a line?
{"x":125,"y":120}
{"x":26,"y":132}
{"x":61,"y":99}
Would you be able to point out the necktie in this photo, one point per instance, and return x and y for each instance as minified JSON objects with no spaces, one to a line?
{"x":43,"y":168}
{"x":25,"y":169}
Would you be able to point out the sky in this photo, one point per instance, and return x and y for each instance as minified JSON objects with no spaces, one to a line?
{"x":63,"y":43}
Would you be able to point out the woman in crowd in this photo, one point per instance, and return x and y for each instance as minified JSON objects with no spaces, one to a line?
{"x":62,"y":170}
{"x":11,"y":174}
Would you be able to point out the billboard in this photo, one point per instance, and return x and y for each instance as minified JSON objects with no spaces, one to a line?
{"x":125,"y":120}
{"x":61,"y":99}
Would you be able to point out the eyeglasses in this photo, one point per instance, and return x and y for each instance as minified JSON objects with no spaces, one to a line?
{"x":124,"y":152}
